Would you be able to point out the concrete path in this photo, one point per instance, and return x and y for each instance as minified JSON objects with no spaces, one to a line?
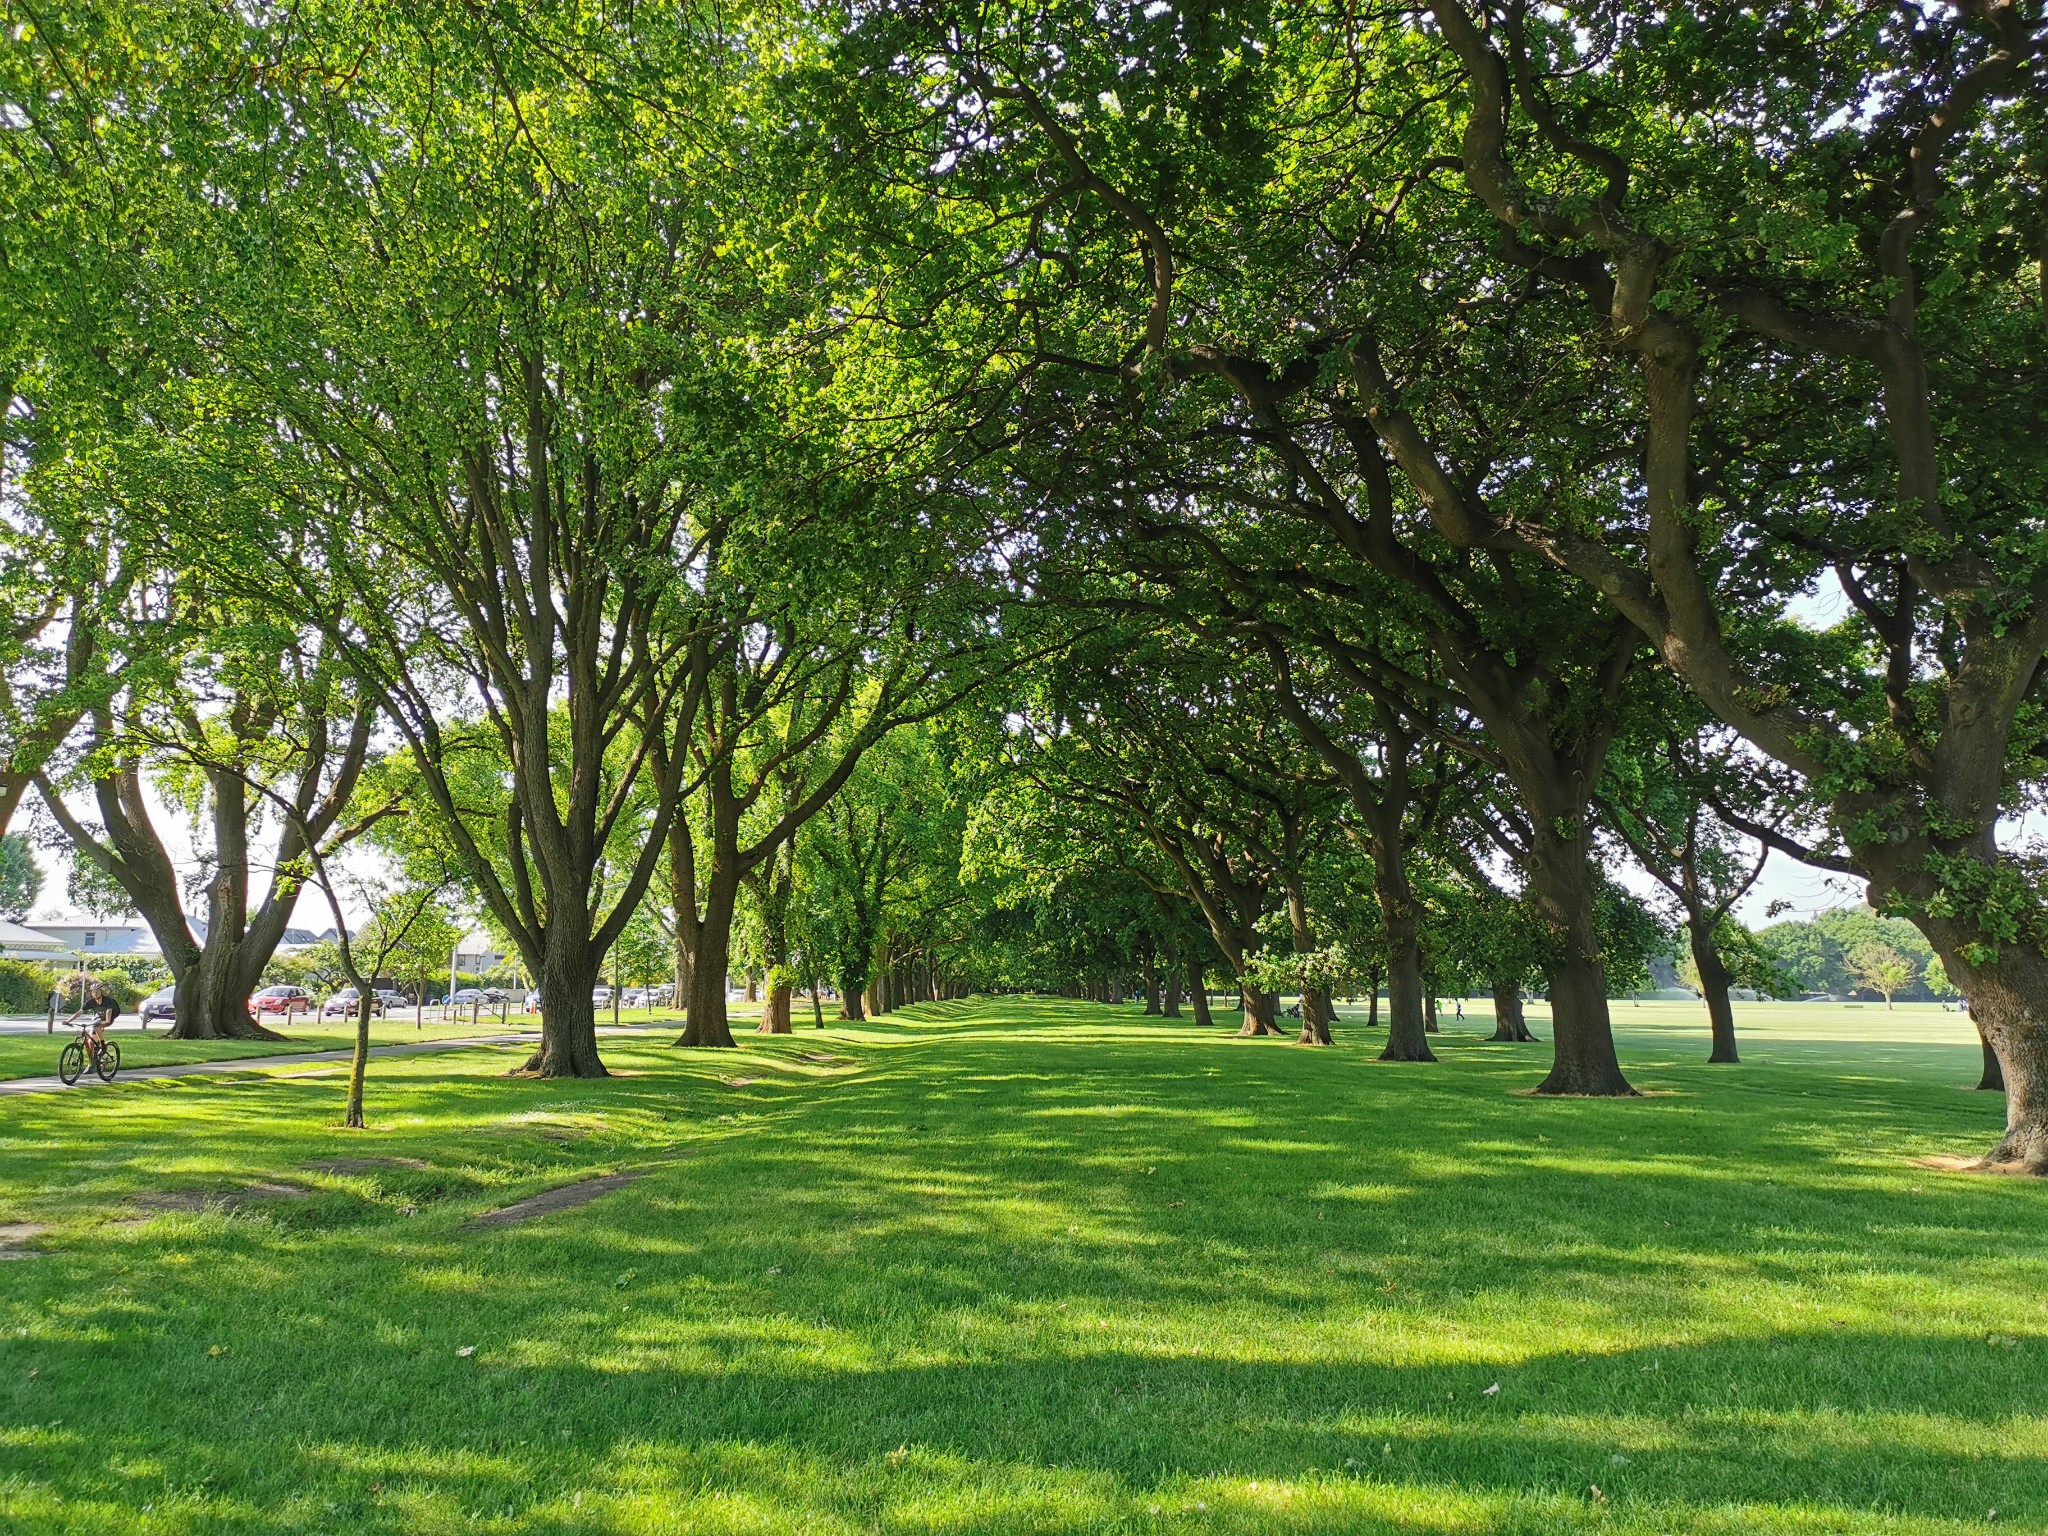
{"x":15,"y":1085}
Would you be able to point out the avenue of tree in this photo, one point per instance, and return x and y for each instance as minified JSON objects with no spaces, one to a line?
{"x":899,"y":499}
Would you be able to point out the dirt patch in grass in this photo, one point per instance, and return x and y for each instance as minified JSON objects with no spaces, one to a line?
{"x":561,"y":1198}
{"x":365,"y":1164}
{"x":823,"y":1058}
{"x":1977,"y":1165}
{"x":742,"y":1082}
{"x":15,"y":1235}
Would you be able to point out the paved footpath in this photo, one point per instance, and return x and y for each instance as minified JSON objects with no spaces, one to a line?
{"x":14,"y":1085}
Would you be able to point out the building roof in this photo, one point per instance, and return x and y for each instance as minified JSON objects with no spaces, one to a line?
{"x":101,"y":938}
{"x":19,"y":943}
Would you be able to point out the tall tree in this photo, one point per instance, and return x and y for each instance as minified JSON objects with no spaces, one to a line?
{"x":263,"y":713}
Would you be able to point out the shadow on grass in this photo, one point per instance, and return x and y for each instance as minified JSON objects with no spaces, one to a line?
{"x":1035,"y":1278}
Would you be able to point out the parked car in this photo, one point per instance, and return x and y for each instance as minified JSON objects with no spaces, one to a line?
{"x":468,"y":995}
{"x":160,"y":1004}
{"x":601,"y":996}
{"x":285,"y":1000}
{"x":392,"y":999}
{"x":343,"y":1004}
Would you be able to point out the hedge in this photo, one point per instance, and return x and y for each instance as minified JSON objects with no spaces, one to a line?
{"x":25,"y":986}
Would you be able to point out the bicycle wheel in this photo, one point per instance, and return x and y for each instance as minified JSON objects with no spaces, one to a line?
{"x":71,"y":1063}
{"x":109,"y":1062}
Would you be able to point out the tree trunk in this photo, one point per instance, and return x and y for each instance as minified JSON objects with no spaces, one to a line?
{"x":1151,"y":988}
{"x":2008,"y":999}
{"x":1429,"y":1022}
{"x":1372,"y":1000}
{"x":706,"y":1023}
{"x":1407,"y":1037}
{"x":213,"y":996}
{"x":1198,"y":994}
{"x":1583,"y":1059}
{"x":1715,"y":981}
{"x":1508,"y":1022}
{"x":1315,"y":1015}
{"x":775,"y":1015}
{"x":359,"y":1060}
{"x":850,"y":990}
{"x":1169,"y":1004}
{"x":1258,"y":1010}
{"x":568,"y":1023}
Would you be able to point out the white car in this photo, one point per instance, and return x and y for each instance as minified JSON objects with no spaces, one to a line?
{"x":343,"y":1005}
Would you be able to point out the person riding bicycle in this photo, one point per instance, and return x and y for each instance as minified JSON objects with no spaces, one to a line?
{"x":99,"y":1002}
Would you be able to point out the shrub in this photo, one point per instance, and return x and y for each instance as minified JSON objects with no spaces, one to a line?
{"x":125,"y":992}
{"x":25,"y":986}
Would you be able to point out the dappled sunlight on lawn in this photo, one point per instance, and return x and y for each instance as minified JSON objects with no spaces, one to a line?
{"x":1039,"y":1267}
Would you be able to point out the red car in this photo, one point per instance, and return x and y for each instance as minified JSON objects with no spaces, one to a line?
{"x":284,"y":1000}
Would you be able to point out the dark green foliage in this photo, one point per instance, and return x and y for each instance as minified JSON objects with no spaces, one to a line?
{"x":21,"y":878}
{"x":25,"y":986}
{"x":1816,"y":955}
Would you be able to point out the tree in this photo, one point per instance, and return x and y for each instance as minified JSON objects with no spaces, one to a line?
{"x":1804,"y":325}
{"x":417,"y":957}
{"x":257,"y":734}
{"x":1199,"y":317}
{"x":1657,"y":798}
{"x":21,"y":878}
{"x":1883,"y":969}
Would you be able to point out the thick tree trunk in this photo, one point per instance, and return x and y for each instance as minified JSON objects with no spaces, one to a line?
{"x":775,"y":1015}
{"x":1715,"y":981}
{"x":1169,"y":1004}
{"x":1198,"y":994}
{"x":568,"y":1021}
{"x":1151,"y":989}
{"x":1429,"y":1020}
{"x":850,"y":990}
{"x":706,"y":1023}
{"x":1509,"y":1024}
{"x":1583,"y":1058}
{"x":1407,"y":1038}
{"x":213,"y":996}
{"x":1258,"y":1010}
{"x":2008,"y":999}
{"x":1372,"y":1000}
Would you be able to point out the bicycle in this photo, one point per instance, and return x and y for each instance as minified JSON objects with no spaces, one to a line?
{"x":104,"y":1058}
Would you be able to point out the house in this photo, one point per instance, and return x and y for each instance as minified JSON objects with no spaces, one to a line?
{"x":89,"y":938}
{"x":477,"y":954}
{"x":19,"y":943}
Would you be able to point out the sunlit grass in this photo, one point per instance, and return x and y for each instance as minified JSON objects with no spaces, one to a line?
{"x":1034,"y":1267}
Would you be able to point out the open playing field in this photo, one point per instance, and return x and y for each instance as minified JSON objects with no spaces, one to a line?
{"x":1024,"y":1266}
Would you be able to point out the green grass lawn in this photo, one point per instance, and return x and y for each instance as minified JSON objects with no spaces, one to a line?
{"x":1041,"y":1268}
